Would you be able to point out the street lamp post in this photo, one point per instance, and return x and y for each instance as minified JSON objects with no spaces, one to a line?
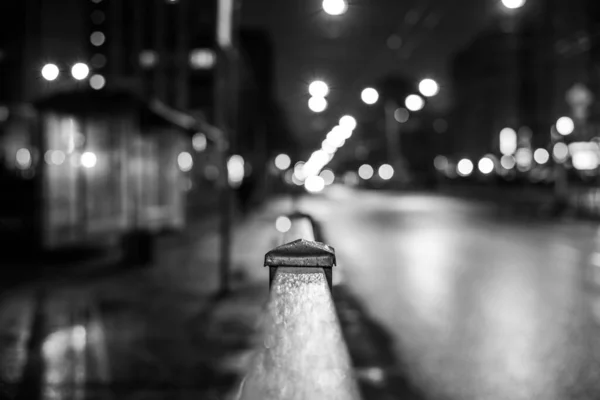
{"x":392,"y":133}
{"x":225,"y":119}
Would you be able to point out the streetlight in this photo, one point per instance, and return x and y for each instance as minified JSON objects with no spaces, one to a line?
{"x":318,"y":89}
{"x":508,"y":141}
{"x":414,"y":102}
{"x":513,"y":4}
{"x":486,"y":165}
{"x":50,"y":72}
{"x":317,"y":104}
{"x":80,"y":71}
{"x":348,"y":122}
{"x":429,"y":87}
{"x":565,"y":126}
{"x":369,"y":96}
{"x":335,"y":7}
{"x":464,"y":167}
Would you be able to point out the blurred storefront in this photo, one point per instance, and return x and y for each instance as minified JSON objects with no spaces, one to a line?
{"x":86,"y":166}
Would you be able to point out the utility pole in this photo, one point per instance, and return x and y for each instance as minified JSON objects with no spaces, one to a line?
{"x":392,"y":132}
{"x":225,"y":96}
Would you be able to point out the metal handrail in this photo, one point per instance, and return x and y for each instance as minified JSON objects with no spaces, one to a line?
{"x":303,"y":353}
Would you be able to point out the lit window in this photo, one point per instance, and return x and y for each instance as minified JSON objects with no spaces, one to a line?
{"x":202,"y":58}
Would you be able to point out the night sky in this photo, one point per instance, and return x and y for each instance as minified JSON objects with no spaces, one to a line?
{"x":351,"y":51}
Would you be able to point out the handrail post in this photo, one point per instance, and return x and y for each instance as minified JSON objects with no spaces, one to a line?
{"x":301,"y":253}
{"x":303,"y":355}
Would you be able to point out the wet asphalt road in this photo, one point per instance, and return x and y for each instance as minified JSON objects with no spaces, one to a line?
{"x":480,"y":305}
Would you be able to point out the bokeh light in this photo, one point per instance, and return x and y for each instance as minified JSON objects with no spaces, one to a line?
{"x":50,"y":72}
{"x":235,"y":170}
{"x":185,"y":161}
{"x":199,"y":142}
{"x":508,"y":162}
{"x":318,"y":89}
{"x":283,"y":162}
{"x":314,"y":184}
{"x":414,"y":102}
{"x":97,"y":82}
{"x":386,"y":172}
{"x":57,"y":157}
{"x":464,"y":167}
{"x":348,"y":122}
{"x":328,"y":147}
{"x":23,"y":158}
{"x":328,"y":176}
{"x":565,"y":126}
{"x":365,"y":172}
{"x":440,"y":163}
{"x":97,"y":38}
{"x":541,"y":156}
{"x":560,"y":152}
{"x":299,"y":174}
{"x":369,"y":96}
{"x":508,"y":141}
{"x":89,"y":159}
{"x":429,"y":87}
{"x":401,"y":115}
{"x":335,"y":7}
{"x":513,"y":4}
{"x":80,"y":71}
{"x":486,"y":165}
{"x":524,"y":158}
{"x":283,"y":224}
{"x":317,"y":104}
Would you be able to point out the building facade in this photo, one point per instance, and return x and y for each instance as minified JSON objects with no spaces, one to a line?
{"x":519,"y":72}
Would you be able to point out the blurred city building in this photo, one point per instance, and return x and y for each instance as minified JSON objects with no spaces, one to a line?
{"x":389,"y":133}
{"x":167,"y":58}
{"x":519,"y":74}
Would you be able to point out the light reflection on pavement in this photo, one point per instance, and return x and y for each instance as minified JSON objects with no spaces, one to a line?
{"x":481,"y":307}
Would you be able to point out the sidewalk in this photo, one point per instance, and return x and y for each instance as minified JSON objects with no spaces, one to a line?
{"x":155,"y":332}
{"x":159,"y":333}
